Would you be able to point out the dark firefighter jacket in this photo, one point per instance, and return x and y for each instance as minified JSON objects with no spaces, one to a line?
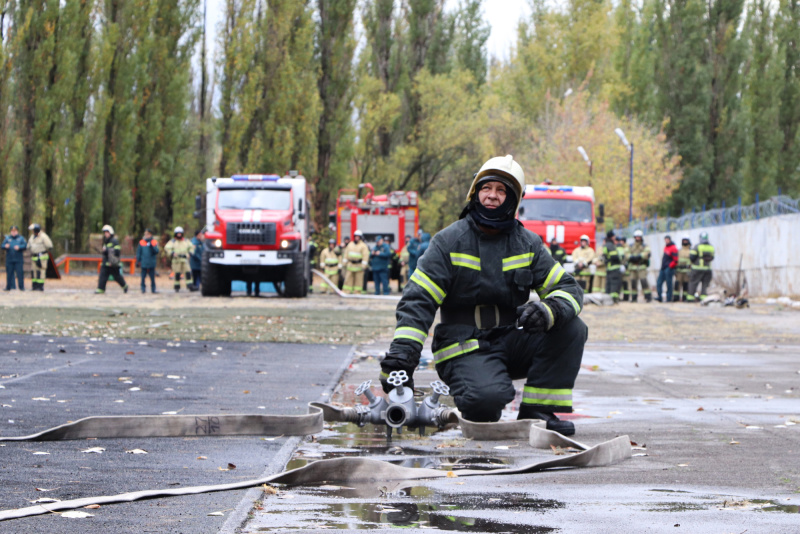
{"x":701,"y":257}
{"x":464,"y":268}
{"x":111,"y":251}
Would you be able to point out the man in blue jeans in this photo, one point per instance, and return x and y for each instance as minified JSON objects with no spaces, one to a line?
{"x":14,"y":245}
{"x":668,"y":263}
{"x":379,"y":261}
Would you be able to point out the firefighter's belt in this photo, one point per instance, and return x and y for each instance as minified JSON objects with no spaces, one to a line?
{"x":334,"y":471}
{"x":483,"y":316}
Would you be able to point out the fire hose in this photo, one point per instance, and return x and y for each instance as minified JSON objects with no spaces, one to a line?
{"x":400,"y":410}
{"x":346,"y":296}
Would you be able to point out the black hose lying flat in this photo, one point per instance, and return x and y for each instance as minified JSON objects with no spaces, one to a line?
{"x":338,"y":470}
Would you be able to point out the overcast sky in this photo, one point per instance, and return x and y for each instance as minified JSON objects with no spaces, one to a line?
{"x":502,"y":16}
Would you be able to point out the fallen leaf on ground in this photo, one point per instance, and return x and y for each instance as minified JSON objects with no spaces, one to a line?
{"x":216,"y":514}
{"x":732,"y":442}
{"x":40,"y":399}
{"x":292,"y":397}
{"x":45,"y":489}
{"x":269,"y":490}
{"x":94,"y":450}
{"x":41,"y":453}
{"x":700,"y":409}
{"x":136,"y":451}
{"x":451,"y":474}
{"x":202,"y":457}
{"x":92,"y":506}
{"x":75,"y":514}
{"x":44,"y":500}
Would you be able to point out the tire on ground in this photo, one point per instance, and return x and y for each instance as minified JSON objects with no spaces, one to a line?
{"x":296,"y":285}
{"x":211,"y":276}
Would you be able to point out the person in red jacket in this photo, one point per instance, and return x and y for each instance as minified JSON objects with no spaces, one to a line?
{"x":668,"y":263}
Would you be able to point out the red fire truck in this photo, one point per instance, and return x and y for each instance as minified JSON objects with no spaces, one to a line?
{"x":256,"y":231}
{"x":394,"y":215}
{"x":562,"y":211}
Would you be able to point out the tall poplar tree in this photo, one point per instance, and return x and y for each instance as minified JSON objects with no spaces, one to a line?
{"x":335,"y":48}
{"x":788,"y":33}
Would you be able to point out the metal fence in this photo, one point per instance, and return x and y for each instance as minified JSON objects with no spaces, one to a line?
{"x":778,"y":205}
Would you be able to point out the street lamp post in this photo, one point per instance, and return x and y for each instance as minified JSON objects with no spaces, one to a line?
{"x":629,"y":146}
{"x":588,"y":162}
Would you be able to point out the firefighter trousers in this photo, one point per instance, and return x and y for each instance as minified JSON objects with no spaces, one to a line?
{"x":333,"y":276}
{"x":481,"y":381}
{"x":700,"y":278}
{"x":180,"y":267}
{"x":640,"y":276}
{"x":107,"y":271}
{"x":681,"y":290}
{"x":353,"y":281}
{"x":613,"y":283}
{"x":39,"y":270}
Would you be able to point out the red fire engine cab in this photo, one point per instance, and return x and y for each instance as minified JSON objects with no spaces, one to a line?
{"x":563,"y":212}
{"x":394,"y":215}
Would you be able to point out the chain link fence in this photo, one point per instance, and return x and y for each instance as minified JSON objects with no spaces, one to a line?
{"x":777,"y":205}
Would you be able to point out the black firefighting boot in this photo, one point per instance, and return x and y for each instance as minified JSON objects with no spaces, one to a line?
{"x":635,"y":297}
{"x":565,"y":428}
{"x":626,"y":295}
{"x":648,"y":297}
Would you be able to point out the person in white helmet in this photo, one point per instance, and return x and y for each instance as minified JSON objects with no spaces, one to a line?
{"x":39,"y":245}
{"x":110,"y":267}
{"x":638,"y":262}
{"x":681,"y":291}
{"x":480,"y":272}
{"x":179,"y":249}
{"x":582,"y":257}
{"x":354,"y":262}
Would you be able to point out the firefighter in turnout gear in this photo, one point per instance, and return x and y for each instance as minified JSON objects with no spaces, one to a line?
{"x":583,"y":257}
{"x":330,"y":262}
{"x":356,"y":256}
{"x":558,"y":253}
{"x":179,"y":249}
{"x":622,"y":247}
{"x":110,"y":268}
{"x":480,"y":271}
{"x":681,"y":291}
{"x":701,"y":257}
{"x":638,"y":262}
{"x":613,"y":261}
{"x":405,"y":257}
{"x":39,"y":244}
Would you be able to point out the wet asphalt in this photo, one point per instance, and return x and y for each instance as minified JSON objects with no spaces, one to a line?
{"x":49,"y":381}
{"x":717,"y":450}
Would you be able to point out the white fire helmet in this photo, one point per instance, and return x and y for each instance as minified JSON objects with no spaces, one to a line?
{"x":585,"y":237}
{"x":358,"y":233}
{"x":109,"y":229}
{"x":638,"y":233}
{"x":502,"y":166}
{"x":179,"y":230}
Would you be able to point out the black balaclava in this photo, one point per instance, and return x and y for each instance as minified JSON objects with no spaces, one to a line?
{"x":500,"y":218}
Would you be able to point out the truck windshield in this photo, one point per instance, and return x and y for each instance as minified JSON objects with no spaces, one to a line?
{"x":254,"y":199}
{"x":556,"y":209}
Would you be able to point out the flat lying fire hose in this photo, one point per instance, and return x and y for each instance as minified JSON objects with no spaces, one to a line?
{"x":347,"y":470}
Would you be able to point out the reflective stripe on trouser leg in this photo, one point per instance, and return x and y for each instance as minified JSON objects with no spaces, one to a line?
{"x":561,"y":398}
{"x":550,"y":362}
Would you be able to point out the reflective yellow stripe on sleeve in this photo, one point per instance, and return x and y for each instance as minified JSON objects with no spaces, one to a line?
{"x":552,"y":279}
{"x":429,"y":285}
{"x":465,"y":260}
{"x":516,"y":262}
{"x":566,"y":296}
{"x":456,"y":349}
{"x":408,"y":332}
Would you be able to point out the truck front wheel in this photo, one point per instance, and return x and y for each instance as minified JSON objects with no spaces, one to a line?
{"x":211,"y":274}
{"x":296,"y":285}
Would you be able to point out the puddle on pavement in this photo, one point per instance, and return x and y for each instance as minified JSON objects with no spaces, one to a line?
{"x":720,"y":502}
{"x":413,"y":507}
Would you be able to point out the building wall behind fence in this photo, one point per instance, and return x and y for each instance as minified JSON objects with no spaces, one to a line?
{"x":769,"y":249}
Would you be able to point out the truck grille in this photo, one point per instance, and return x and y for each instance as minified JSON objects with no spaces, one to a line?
{"x":247,"y":233}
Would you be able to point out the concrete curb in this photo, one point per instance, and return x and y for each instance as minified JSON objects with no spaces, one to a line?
{"x":238,"y":517}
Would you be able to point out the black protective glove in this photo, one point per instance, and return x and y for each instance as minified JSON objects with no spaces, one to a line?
{"x":396,"y":362}
{"x":535,"y":317}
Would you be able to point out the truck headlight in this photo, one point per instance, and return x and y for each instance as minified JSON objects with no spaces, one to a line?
{"x":290,"y":244}
{"x":218,"y":243}
{"x":285,"y":243}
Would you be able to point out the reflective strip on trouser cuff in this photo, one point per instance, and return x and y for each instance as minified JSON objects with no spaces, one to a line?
{"x":465,"y":260}
{"x":355,"y":268}
{"x":408,"y":332}
{"x":429,"y":285}
{"x":516,"y":262}
{"x":456,"y":349}
{"x":566,"y":296}
{"x":547,"y":397}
